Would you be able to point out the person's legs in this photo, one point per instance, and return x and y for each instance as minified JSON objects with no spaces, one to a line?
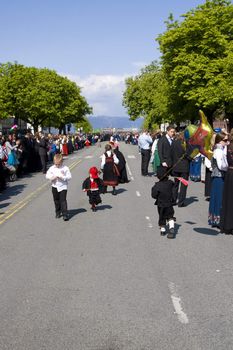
{"x":56,"y":199}
{"x":162,"y":221}
{"x":63,"y":203}
{"x":183,"y":190}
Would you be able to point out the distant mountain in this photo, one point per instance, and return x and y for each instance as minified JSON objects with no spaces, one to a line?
{"x":100,"y":122}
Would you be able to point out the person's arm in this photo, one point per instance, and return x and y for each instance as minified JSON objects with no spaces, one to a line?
{"x":102,"y":162}
{"x":50,"y":175}
{"x":115,"y":159}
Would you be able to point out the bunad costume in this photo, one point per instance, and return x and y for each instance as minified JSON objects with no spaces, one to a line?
{"x":219,"y":166}
{"x":93,"y":185}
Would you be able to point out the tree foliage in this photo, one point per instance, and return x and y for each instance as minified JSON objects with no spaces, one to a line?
{"x":40,"y":96}
{"x":197,"y":57}
{"x":84,"y":125}
{"x":195,"y":71}
{"x":146,"y":95}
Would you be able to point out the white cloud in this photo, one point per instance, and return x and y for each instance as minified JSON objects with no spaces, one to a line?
{"x":102,"y":92}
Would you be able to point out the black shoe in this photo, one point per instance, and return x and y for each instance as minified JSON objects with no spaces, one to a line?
{"x":181,"y":205}
{"x":58,"y":216}
{"x":114,"y":192}
{"x":65,"y":217}
{"x":171,"y":233}
{"x":162,"y":233}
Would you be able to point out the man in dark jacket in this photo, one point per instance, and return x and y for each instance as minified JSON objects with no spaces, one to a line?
{"x":43,"y":148}
{"x":164,"y":147}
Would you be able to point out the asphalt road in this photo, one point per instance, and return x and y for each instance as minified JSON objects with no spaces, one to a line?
{"x":108,"y":280}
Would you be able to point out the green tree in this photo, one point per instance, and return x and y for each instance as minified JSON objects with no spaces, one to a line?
{"x":40,"y":96}
{"x":146,"y":95}
{"x":84,"y":125}
{"x":197,"y":58}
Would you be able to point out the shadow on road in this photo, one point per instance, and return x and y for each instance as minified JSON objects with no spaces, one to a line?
{"x":191,"y":199}
{"x":120,"y":190}
{"x":12,"y":191}
{"x":103,"y":207}
{"x":2,"y":205}
{"x":206,"y":231}
{"x":73,"y":212}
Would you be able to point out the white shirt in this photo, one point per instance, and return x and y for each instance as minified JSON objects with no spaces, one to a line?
{"x":220,"y":156}
{"x":103,"y":161}
{"x":59,"y":177}
{"x":144,"y":141}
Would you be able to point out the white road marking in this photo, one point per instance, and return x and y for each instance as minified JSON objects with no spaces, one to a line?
{"x":129,"y":171}
{"x":132,"y":178}
{"x":131,"y":157}
{"x":88,"y":157}
{"x":138,"y":193}
{"x":176,"y":300}
{"x":74,"y":157}
{"x":149,"y":224}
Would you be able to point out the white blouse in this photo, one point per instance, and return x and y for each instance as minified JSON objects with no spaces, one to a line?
{"x":220,"y":156}
{"x":59,"y":177}
{"x":103,"y":161}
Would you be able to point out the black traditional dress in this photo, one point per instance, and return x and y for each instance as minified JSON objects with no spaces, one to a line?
{"x":110,"y":175}
{"x":226,"y":221}
{"x":93,"y":187}
{"x":123,"y":178}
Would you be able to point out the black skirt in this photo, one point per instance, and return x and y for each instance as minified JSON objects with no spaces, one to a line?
{"x":207,"y":182}
{"x":226,"y":218}
{"x":94,"y":197}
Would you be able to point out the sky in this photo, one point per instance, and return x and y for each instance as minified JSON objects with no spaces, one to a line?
{"x":96,"y":43}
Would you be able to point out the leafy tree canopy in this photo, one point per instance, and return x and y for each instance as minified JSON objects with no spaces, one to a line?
{"x":39,"y":96}
{"x":197,"y":57}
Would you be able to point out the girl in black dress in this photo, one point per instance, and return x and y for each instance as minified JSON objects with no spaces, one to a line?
{"x":93,"y":185}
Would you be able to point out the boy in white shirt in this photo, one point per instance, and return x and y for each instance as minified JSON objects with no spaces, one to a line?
{"x":59,"y":175}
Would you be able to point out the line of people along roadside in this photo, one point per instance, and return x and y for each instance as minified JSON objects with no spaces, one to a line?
{"x":169,"y":155}
{"x":24,"y":154}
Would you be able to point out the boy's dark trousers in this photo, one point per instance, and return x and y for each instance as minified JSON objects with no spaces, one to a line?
{"x":165,"y":214}
{"x":60,"y":201}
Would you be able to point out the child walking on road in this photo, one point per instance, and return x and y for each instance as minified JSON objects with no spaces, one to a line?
{"x":59,"y":175}
{"x":93,"y":185}
{"x":163,"y":192}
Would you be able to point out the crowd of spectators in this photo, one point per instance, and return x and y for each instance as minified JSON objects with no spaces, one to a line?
{"x":24,"y":154}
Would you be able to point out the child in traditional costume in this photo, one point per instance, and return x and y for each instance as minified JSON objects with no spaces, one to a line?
{"x":163,"y":192}
{"x":93,"y":185}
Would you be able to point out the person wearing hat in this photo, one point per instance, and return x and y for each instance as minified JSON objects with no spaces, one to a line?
{"x":93,"y":185}
{"x":164,"y":193}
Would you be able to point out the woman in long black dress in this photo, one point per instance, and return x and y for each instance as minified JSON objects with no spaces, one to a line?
{"x":123,"y":178}
{"x":226,"y":221}
{"x":109,"y":167}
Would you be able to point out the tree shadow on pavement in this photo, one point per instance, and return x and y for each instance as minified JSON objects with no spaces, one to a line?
{"x":12,"y":191}
{"x":190,"y":200}
{"x":3,"y":205}
{"x":73,"y":212}
{"x":206,"y":231}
